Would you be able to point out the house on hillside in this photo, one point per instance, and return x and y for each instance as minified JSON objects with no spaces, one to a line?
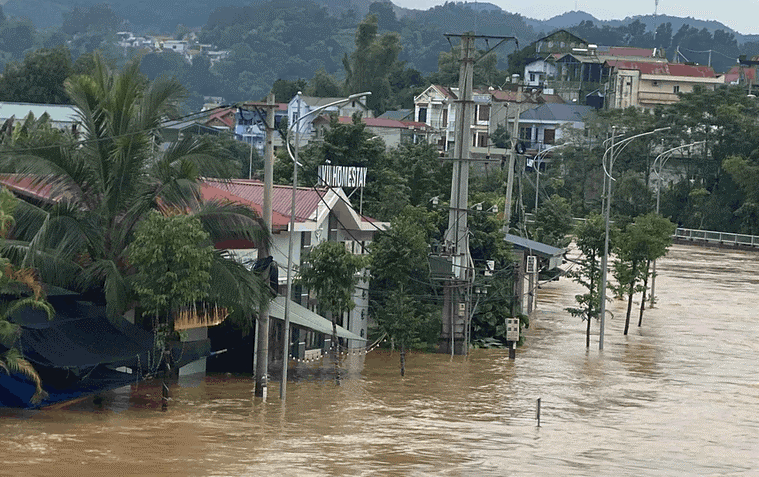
{"x":250,"y":124}
{"x":544,"y":126}
{"x":647,"y":85}
{"x":391,"y":131}
{"x":301,"y":105}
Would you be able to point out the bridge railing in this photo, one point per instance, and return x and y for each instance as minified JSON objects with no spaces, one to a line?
{"x":717,"y":237}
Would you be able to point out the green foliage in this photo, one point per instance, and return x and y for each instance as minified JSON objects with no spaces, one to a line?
{"x":553,"y":222}
{"x":401,"y":281}
{"x":38,"y":78}
{"x":589,"y":236}
{"x":642,"y":241}
{"x":110,"y":182}
{"x":22,"y":284}
{"x":173,"y":260}
{"x":331,"y":272}
{"x":369,"y":66}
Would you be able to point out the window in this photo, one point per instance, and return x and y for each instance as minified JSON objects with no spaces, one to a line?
{"x":549,"y":136}
{"x":480,"y":139}
{"x":483,"y":112}
{"x":445,"y":117}
{"x":676,"y":88}
{"x":422,"y":115}
{"x":532,"y":76}
{"x":525,"y":134}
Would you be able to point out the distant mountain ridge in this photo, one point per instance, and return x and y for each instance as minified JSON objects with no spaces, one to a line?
{"x":163,"y":16}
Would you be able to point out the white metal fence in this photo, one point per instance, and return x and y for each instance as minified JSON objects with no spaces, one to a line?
{"x":717,"y":237}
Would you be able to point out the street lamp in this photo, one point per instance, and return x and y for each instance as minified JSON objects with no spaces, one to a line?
{"x":536,"y":162}
{"x":294,"y":157}
{"x":610,"y":153}
{"x":658,"y":166}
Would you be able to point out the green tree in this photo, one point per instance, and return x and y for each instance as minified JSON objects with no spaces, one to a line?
{"x":402,"y":302}
{"x":553,"y":222}
{"x":331,"y":271}
{"x":38,"y":78}
{"x":369,"y":66}
{"x":589,"y":236}
{"x":107,"y":183}
{"x":642,"y":241}
{"x":173,"y":257}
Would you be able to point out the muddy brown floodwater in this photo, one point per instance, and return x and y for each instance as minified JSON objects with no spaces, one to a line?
{"x":678,"y":396}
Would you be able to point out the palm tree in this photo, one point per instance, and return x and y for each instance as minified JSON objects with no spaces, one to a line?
{"x":23,"y":286}
{"x":103,"y":183}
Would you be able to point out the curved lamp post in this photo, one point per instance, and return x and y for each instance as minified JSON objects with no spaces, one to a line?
{"x":610,"y":155}
{"x":294,"y":157}
{"x":657,"y":166}
{"x":537,"y":160}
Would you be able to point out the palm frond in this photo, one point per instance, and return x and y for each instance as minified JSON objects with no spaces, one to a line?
{"x":13,"y":362}
{"x":237,"y":288}
{"x":117,"y":288}
{"x":227,"y":220}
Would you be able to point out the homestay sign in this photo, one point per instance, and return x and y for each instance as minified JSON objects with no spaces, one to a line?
{"x":342,"y":176}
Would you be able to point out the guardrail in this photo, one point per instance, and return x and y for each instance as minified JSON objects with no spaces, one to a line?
{"x":722,"y":238}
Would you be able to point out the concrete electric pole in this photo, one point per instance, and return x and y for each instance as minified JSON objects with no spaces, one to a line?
{"x":262,"y":330}
{"x":456,"y":290}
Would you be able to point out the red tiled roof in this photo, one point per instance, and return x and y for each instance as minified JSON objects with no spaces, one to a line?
{"x":30,"y":187}
{"x":668,"y":69}
{"x":226,"y":116}
{"x":382,"y":122}
{"x":736,"y":73}
{"x":446,"y":91}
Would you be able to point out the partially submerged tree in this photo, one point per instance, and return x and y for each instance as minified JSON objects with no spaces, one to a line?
{"x":331,"y":271}
{"x":642,"y":241}
{"x":589,"y":237}
{"x":401,"y":296}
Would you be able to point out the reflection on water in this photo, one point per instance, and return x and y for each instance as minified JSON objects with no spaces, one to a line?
{"x":674,"y":397}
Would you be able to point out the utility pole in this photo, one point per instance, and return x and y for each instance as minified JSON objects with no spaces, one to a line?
{"x":512,"y":159}
{"x":456,"y":244}
{"x":262,"y":331}
{"x":456,"y":290}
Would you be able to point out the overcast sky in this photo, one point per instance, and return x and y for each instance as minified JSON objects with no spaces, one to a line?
{"x":740,"y":15}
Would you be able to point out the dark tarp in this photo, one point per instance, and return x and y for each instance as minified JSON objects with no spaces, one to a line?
{"x":76,"y":351}
{"x":80,"y":336}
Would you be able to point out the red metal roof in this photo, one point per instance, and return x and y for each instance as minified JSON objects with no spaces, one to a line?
{"x":252,"y":192}
{"x":668,"y":69}
{"x":630,"y":51}
{"x":226,"y":116}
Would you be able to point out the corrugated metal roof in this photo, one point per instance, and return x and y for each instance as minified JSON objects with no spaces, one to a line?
{"x":59,"y":113}
{"x":668,"y":69}
{"x":557,"y":112}
{"x":545,"y":251}
{"x":306,"y":199}
{"x":306,"y":318}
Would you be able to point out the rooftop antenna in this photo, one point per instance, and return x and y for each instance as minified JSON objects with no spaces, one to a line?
{"x":656,"y":9}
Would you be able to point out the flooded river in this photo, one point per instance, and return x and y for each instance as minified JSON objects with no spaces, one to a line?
{"x":679,"y":396}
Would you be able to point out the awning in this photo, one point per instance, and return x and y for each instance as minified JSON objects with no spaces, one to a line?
{"x":306,"y":318}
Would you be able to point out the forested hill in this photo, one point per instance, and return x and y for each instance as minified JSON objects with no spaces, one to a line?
{"x":264,"y":41}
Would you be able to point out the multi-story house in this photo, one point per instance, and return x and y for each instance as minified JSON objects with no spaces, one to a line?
{"x":647,"y":85}
{"x":545,"y":125}
{"x":391,"y":131}
{"x":322,"y":214}
{"x":301,"y":105}
{"x":492,"y":108}
{"x":250,"y":124}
